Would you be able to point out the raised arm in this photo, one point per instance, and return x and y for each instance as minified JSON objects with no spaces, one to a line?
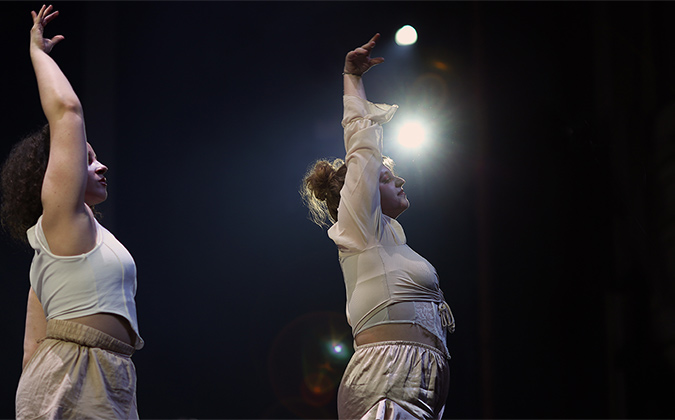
{"x":67,"y":222}
{"x":359,"y":211}
{"x":357,"y":62}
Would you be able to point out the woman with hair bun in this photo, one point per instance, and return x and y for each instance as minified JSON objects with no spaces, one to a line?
{"x":81,"y":326}
{"x":397,"y":312}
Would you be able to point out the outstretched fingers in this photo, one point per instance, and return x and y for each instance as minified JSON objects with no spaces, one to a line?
{"x":362,"y":52}
{"x":377,"y":60}
{"x":44,"y":16}
{"x":371,"y":44}
{"x":40,"y":20}
{"x":368,"y":47}
{"x":56,"y":39}
{"x":50,"y":16}
{"x":39,"y":16}
{"x":359,"y":61}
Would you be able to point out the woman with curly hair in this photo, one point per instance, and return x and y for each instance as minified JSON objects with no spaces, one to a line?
{"x":81,"y":326}
{"x":397,"y":312}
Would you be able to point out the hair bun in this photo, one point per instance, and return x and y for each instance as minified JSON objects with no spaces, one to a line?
{"x":319,"y":180}
{"x":321,"y":189}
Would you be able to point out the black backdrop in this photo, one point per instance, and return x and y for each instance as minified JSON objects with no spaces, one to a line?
{"x":543,"y":199}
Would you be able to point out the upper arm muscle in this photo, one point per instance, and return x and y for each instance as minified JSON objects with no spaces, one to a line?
{"x":67,"y":222}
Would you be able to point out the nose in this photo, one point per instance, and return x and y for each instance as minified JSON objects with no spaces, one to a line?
{"x":102,"y":169}
{"x":399,"y":181}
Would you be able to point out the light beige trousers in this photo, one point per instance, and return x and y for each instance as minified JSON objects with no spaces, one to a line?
{"x":394,"y":380}
{"x":78,"y":372}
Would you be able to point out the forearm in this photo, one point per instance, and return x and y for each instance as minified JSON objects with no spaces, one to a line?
{"x":36,"y":326}
{"x":66,"y":172}
{"x":56,"y":94}
{"x":353,"y":86}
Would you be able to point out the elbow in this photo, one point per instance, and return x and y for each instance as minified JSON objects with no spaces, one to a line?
{"x":70,"y":105}
{"x":69,"y":112}
{"x":63,"y":107}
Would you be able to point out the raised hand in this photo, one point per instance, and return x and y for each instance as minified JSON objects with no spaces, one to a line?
{"x":359,"y":61}
{"x":40,"y":20}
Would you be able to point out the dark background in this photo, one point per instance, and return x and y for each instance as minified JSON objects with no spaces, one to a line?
{"x":545,"y":198}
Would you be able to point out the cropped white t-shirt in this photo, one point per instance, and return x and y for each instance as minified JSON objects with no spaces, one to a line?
{"x":386,"y":281}
{"x":102,"y":280}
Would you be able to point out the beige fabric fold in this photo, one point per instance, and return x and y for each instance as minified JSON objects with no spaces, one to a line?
{"x":78,"y":372}
{"x":394,"y":380}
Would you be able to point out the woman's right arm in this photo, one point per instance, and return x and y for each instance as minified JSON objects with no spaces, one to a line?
{"x":66,"y":219}
{"x":36,"y":326}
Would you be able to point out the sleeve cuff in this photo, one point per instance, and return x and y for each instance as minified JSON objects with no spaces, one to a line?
{"x":358,"y":108}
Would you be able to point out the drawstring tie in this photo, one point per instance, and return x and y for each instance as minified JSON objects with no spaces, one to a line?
{"x":447,"y":319}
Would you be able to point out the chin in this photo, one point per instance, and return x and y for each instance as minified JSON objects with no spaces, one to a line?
{"x":399,"y":212}
{"x":93,"y":201}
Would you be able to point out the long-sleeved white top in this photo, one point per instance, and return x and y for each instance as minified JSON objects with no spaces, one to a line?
{"x":386,"y":281}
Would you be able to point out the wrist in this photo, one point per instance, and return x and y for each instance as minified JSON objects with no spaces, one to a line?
{"x":346,"y":73}
{"x":35,"y":49}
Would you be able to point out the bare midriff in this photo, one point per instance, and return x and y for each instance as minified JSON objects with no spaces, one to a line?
{"x":113,"y":325}
{"x":398,"y":332}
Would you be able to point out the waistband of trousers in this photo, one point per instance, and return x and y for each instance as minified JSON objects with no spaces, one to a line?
{"x":60,"y":329}
{"x":402,"y":343}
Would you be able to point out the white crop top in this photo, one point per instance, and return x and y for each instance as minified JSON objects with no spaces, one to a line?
{"x":102,"y":280}
{"x":386,"y":281}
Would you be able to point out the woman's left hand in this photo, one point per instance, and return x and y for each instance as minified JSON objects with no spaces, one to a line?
{"x":40,"y":20}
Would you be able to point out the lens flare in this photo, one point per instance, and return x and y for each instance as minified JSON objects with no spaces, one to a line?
{"x":306,"y":363}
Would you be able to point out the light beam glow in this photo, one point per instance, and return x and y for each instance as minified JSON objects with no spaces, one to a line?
{"x":407,"y":35}
{"x":412,"y":135}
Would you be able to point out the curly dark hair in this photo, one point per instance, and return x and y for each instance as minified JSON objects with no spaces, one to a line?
{"x":21,"y":183}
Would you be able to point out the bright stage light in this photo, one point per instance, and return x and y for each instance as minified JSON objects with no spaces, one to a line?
{"x":337,"y":348}
{"x":411,"y":135}
{"x":407,"y":35}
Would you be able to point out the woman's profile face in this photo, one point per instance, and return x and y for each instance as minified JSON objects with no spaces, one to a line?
{"x":97,"y":186}
{"x":392,"y":198}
